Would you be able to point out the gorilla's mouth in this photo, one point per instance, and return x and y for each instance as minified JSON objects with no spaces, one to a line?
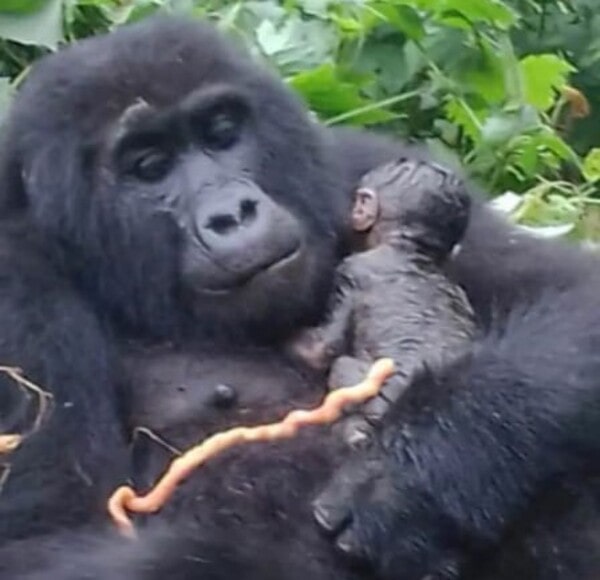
{"x":234,"y":281}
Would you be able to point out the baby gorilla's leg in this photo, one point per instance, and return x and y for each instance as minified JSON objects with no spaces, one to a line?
{"x":330,"y":508}
{"x":345,"y":371}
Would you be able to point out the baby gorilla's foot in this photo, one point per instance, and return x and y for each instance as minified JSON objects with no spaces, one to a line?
{"x":338,"y":509}
{"x":379,"y":511}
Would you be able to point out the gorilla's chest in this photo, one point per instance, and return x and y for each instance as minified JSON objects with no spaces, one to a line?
{"x":259,"y":490}
{"x":173,"y":387}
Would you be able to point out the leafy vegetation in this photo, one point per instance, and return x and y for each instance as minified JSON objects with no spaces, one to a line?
{"x":508,"y":89}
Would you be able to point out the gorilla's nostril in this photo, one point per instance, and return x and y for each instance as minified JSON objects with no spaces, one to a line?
{"x":247,"y":210}
{"x":221,"y":223}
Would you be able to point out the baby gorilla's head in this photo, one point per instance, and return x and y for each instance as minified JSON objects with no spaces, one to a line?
{"x":411,"y":201}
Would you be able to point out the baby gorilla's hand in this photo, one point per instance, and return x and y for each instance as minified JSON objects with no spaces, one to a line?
{"x":308,"y":347}
{"x":379,"y":513}
{"x":357,"y":429}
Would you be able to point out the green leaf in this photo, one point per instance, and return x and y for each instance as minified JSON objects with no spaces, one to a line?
{"x":546,"y":210}
{"x":296,"y":44}
{"x":6,"y":94}
{"x":327,"y":94}
{"x":591,"y":165}
{"x":403,"y":18}
{"x":459,"y":113}
{"x":388,"y":62}
{"x":21,"y":6}
{"x":315,"y":7}
{"x":492,"y":12}
{"x":543,"y":75}
{"x":444,"y":155}
{"x":499,"y":128}
{"x":525,"y":156}
{"x":43,"y":27}
{"x":142,"y":10}
{"x":484,"y":73}
{"x":549,"y":140}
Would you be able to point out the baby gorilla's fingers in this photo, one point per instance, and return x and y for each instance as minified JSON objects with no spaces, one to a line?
{"x":357,"y":429}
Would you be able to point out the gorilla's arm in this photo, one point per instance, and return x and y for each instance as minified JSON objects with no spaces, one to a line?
{"x":60,"y":471}
{"x":500,"y":266}
{"x":180,"y":552}
{"x":470,"y":447}
{"x":319,"y":346}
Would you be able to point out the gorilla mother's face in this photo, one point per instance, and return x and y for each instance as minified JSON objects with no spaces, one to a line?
{"x":185,"y":183}
{"x":195,"y":162}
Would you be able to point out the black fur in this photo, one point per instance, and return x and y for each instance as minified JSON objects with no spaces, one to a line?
{"x":488,"y":470}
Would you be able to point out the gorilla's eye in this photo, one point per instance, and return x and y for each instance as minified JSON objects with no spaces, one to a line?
{"x":221,"y":130}
{"x":149,"y":164}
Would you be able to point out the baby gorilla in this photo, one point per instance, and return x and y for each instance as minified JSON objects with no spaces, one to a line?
{"x":392,"y":297}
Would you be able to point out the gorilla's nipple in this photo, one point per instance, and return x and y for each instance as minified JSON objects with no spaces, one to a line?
{"x":224,"y":396}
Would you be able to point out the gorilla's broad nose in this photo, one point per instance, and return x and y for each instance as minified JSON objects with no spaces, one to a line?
{"x":224,"y":223}
{"x":243,"y":231}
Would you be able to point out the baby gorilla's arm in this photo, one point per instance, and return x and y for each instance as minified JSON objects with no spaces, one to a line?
{"x":319,"y":346}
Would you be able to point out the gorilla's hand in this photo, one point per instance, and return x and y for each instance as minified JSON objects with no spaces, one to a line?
{"x":381,"y":515}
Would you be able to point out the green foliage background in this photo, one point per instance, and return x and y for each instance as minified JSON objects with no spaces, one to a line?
{"x":508,"y":89}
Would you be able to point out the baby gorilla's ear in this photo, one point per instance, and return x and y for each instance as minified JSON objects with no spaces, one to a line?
{"x":365,"y":209}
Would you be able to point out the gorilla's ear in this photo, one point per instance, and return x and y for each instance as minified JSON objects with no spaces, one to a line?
{"x":49,"y":176}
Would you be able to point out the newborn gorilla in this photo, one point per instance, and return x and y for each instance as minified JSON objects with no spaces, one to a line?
{"x":392,"y":298}
{"x":162,"y":192}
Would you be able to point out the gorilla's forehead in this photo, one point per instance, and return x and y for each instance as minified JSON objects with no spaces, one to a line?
{"x":161,"y":61}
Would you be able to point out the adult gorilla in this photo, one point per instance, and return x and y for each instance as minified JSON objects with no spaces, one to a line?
{"x":165,"y":199}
